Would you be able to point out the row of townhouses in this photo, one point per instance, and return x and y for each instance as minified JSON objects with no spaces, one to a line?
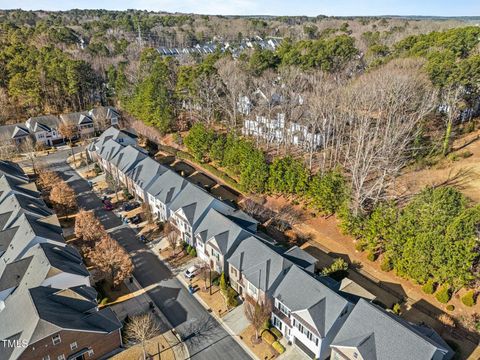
{"x":45,"y":129}
{"x":275,"y":128}
{"x":320,"y":316}
{"x":48,"y":310}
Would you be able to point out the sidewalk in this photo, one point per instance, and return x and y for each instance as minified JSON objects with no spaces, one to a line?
{"x":226,"y":324}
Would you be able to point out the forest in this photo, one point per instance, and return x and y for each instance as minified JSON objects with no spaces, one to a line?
{"x":382,"y":94}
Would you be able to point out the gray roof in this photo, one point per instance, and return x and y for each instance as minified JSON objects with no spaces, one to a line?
{"x":103,"y":112}
{"x":43,"y":123}
{"x":146,"y":171}
{"x":121,"y":136}
{"x":127,"y":158}
{"x":17,"y":204}
{"x":311,"y":300}
{"x":219,"y":229}
{"x":167,"y":186}
{"x":30,"y":232}
{"x":301,"y":258}
{"x":75,"y":118}
{"x":44,"y":311}
{"x":10,"y":185}
{"x":14,"y":131}
{"x":260,"y":263}
{"x":12,"y":169}
{"x":109,"y":149}
{"x":41,"y":262}
{"x":195,"y":202}
{"x":380,"y":335}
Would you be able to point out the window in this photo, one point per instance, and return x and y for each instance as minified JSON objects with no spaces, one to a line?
{"x":90,"y":353}
{"x":316,"y":341}
{"x":73,"y":346}
{"x":61,"y":357}
{"x":56,"y":340}
{"x":283,"y":308}
{"x":355,"y":355}
{"x":234,"y":272}
{"x":300,"y":327}
{"x":46,"y":357}
{"x":252,"y":289}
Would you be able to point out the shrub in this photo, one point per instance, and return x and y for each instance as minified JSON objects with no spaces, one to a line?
{"x":194,"y":253}
{"x":223,"y":282}
{"x":278,"y":347}
{"x":276,"y":332}
{"x":372,"y":256}
{"x":397,"y":309}
{"x":268,"y":337}
{"x":338,"y":265}
{"x":104,"y":301}
{"x":450,"y":307}
{"x":469,"y":298}
{"x":360,"y":246}
{"x":231,"y":297}
{"x":386,"y":264}
{"x":267,"y":324}
{"x":429,"y":287}
{"x":443,"y":294}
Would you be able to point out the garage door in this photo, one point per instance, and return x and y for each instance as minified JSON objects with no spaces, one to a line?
{"x":304,"y":348}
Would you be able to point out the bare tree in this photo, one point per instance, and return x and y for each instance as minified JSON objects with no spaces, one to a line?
{"x":111,"y":259}
{"x":450,"y":99}
{"x":234,"y":80}
{"x":28,"y":148}
{"x":204,"y":272}
{"x":382,"y":111}
{"x":68,"y":132}
{"x":172,"y":239}
{"x":142,"y":328}
{"x":257,"y":313}
{"x":47,"y":179}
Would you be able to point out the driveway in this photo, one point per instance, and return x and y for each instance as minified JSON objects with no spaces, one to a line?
{"x":204,"y":336}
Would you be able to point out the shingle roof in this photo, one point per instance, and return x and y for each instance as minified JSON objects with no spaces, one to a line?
{"x":44,"y":311}
{"x":167,"y":186}
{"x":224,"y":232}
{"x":9,"y":185}
{"x":146,"y":171}
{"x":380,"y":335}
{"x":310,"y":299}
{"x":260,"y":263}
{"x":127,"y":158}
{"x":18,"y":204}
{"x":12,"y":169}
{"x":43,"y":123}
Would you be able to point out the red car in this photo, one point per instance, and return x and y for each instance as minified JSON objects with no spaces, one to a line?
{"x":107,"y":205}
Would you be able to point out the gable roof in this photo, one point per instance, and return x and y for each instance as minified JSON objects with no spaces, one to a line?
{"x":75,"y":118}
{"x":381,"y":335}
{"x":224,"y":232}
{"x":43,"y":123}
{"x":146,"y":171}
{"x":17,"y":204}
{"x":44,"y":311}
{"x":167,"y":186}
{"x":39,"y":263}
{"x":13,"y":169}
{"x":127,"y":158}
{"x":12,"y":185}
{"x":109,"y":149}
{"x":310,"y":299}
{"x":261,"y":264}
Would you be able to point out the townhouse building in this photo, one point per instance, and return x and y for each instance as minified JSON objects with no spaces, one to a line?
{"x":373,"y":333}
{"x":312,"y":312}
{"x":47,"y":308}
{"x":45,"y":129}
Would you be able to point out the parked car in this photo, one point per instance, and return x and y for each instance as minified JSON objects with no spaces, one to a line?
{"x":107,"y":205}
{"x":191,"y":272}
{"x":130,"y":205}
{"x":136,"y":219}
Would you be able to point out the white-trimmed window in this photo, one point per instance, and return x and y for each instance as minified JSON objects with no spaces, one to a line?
{"x":61,"y":357}
{"x":252,"y":289}
{"x":73,"y":346}
{"x":46,"y":357}
{"x":56,"y":339}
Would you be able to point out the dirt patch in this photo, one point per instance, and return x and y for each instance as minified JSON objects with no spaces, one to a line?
{"x":262,"y":349}
{"x":157,"y":347}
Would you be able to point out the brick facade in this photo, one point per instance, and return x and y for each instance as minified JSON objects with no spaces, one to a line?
{"x":101,"y":344}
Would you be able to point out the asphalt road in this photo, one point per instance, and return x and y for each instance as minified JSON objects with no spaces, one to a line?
{"x":204,"y":336}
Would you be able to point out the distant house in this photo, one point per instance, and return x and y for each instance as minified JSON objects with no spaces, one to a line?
{"x":371,"y":333}
{"x":104,"y":117}
{"x":45,"y":129}
{"x":82,"y":121}
{"x":14,"y":134}
{"x":57,"y":324}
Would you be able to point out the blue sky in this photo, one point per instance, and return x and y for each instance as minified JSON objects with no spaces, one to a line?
{"x":266,"y":7}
